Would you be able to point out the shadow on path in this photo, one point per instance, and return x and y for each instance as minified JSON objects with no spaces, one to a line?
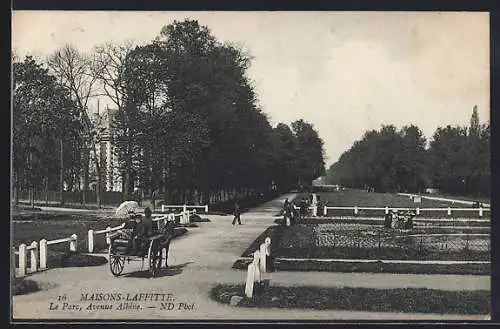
{"x":171,"y":270}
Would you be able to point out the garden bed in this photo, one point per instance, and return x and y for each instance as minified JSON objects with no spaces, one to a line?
{"x":372,"y":267}
{"x":23,"y":286}
{"x":347,"y":241}
{"x":313,"y":243}
{"x":379,"y":221}
{"x":197,"y":219}
{"x":407,"y":300}
{"x":69,"y":259}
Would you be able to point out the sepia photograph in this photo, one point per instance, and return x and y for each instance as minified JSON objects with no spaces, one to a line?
{"x":183,"y":166}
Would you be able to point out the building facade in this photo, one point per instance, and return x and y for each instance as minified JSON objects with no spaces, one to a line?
{"x":111,"y":176}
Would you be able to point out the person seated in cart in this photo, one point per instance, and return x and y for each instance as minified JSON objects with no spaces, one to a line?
{"x":138,"y":238}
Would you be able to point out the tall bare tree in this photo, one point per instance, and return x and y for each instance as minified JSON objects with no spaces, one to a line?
{"x":73,"y":70}
{"x":108,"y":65}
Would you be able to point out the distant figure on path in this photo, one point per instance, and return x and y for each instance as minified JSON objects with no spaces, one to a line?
{"x":154,"y":197}
{"x":286,"y":205}
{"x":138,"y":195}
{"x":236,"y":213}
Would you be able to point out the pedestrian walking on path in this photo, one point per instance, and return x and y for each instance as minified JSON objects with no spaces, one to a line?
{"x":237,"y":213}
{"x":154,"y":197}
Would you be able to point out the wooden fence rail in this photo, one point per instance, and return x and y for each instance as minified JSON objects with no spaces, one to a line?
{"x":38,"y":250}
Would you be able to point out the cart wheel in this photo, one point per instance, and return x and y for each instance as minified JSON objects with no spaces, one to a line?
{"x":116,"y":263}
{"x":154,"y":258}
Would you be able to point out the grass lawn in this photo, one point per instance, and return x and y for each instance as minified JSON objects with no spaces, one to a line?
{"x":461,"y":197}
{"x":34,"y":226}
{"x":28,"y":227}
{"x":407,"y":300}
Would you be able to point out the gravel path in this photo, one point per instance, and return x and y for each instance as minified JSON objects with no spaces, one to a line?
{"x":199,"y":260}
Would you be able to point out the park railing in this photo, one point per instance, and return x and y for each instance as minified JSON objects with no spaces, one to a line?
{"x":38,"y":254}
{"x":448,"y":199}
{"x":184,"y":218}
{"x":38,"y":251}
{"x":184,"y":207}
{"x":448,"y":210}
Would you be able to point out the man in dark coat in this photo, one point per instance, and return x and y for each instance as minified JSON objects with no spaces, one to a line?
{"x":154,"y":197}
{"x":236,"y":213}
{"x":138,"y":236}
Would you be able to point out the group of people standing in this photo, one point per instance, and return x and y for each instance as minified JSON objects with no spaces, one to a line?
{"x":292,"y":213}
{"x":395,"y":220}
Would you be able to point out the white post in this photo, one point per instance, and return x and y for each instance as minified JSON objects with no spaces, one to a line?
{"x":355,"y":210}
{"x":184,"y":208}
{"x":262,"y":261}
{"x":73,"y":243}
{"x":22,"y":259}
{"x":449,"y":211}
{"x":480,"y":212}
{"x":33,"y":254}
{"x":250,"y":280}
{"x":206,"y":208}
{"x":108,"y":239}
{"x":43,"y":254}
{"x":418,"y":211}
{"x":256,"y":261}
{"x":91,"y":241}
{"x":386,"y":210}
{"x":315,"y":211}
{"x":253,"y":274}
{"x":325,"y":210}
{"x":162,"y":208}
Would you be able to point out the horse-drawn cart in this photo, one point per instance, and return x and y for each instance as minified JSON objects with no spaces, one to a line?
{"x":118,"y":253}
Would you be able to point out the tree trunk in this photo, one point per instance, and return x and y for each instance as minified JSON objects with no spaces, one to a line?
{"x":47,"y":190}
{"x":61,"y":173}
{"x":97,"y":164}
{"x":32,"y":197}
{"x":31,"y":189}
{"x":86,"y":164}
{"x":128,"y":170}
{"x":16,"y":189}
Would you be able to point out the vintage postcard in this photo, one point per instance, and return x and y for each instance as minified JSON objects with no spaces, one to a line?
{"x":293,"y":166}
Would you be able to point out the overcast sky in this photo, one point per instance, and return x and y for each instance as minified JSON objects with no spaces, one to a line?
{"x":344,"y":72}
